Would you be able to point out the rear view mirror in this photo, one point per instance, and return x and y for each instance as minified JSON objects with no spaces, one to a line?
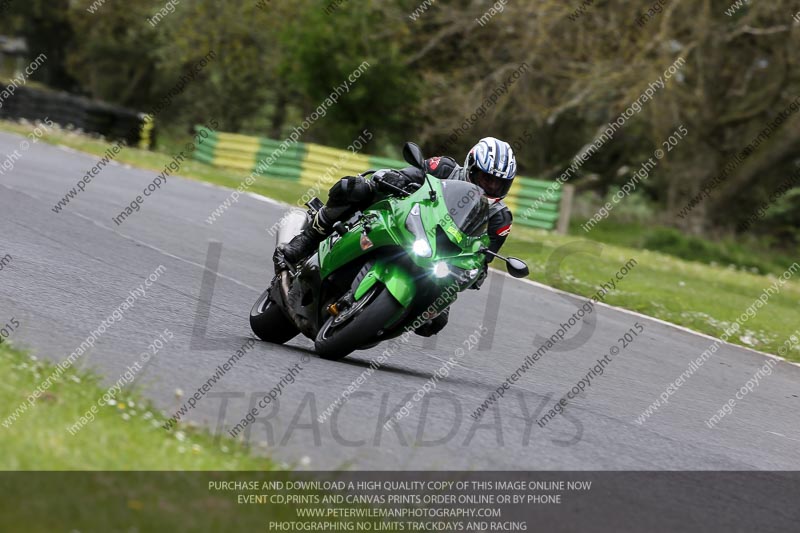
{"x":413,"y":155}
{"x":517,"y":267}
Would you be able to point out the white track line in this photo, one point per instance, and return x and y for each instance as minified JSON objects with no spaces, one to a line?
{"x":640,"y":315}
{"x":542,"y":286}
{"x":565,"y":293}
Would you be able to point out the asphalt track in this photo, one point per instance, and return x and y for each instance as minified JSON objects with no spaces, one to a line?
{"x":71,"y":270}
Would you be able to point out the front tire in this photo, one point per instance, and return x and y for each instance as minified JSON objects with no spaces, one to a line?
{"x":336,"y":342}
{"x":269,"y":323}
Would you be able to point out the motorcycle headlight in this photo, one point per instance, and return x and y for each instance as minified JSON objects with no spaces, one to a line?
{"x":421,"y":246}
{"x":441,"y":269}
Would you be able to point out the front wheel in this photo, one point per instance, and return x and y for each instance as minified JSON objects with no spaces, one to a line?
{"x":358,"y":327}
{"x":269,"y":322}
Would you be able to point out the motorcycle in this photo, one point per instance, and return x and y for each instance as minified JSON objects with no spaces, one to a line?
{"x":405,"y":257}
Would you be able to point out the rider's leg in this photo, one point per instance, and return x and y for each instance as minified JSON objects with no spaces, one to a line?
{"x":305,"y":243}
{"x":344,"y":199}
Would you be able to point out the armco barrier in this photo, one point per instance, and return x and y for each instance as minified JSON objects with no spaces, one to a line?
{"x":316,"y":165}
{"x":91,"y":116}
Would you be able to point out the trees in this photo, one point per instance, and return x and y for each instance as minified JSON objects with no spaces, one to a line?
{"x":739,"y":73}
{"x":111,"y":55}
{"x":45,"y":27}
{"x":432,"y":69}
{"x":357,"y":45}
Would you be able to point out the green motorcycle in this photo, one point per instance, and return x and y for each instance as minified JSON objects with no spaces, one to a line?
{"x":386,"y":271}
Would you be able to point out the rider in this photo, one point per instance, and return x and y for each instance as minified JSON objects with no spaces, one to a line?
{"x":490,"y":165}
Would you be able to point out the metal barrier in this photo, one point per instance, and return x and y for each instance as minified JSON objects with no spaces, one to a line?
{"x":316,"y":165}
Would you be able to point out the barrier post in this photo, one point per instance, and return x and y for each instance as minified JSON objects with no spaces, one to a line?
{"x":565,"y":209}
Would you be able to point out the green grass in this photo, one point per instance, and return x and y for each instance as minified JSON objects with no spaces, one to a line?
{"x":124,"y":436}
{"x":690,"y":282}
{"x":698,"y":296}
{"x":750,"y":255}
{"x":123,"y":471}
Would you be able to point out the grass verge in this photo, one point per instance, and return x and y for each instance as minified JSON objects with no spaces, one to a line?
{"x":124,"y":436}
{"x":123,"y":472}
{"x":700,"y":296}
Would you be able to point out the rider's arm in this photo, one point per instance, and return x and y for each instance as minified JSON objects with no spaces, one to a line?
{"x":499,"y":228}
{"x":440,"y":167}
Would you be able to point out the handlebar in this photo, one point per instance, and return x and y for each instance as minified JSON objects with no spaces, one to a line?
{"x":379,"y":180}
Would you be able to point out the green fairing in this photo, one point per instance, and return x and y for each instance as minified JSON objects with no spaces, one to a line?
{"x":397,"y":280}
{"x":388,"y":228}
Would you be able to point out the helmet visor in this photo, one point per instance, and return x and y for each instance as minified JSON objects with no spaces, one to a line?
{"x":494,"y":187}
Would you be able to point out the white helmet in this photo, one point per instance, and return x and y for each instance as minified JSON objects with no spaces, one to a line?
{"x":491,"y":165}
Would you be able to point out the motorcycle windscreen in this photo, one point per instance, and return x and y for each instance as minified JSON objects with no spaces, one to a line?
{"x":467,"y":206}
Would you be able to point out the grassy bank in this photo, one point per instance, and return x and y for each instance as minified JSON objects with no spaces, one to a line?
{"x":701,"y":297}
{"x":706,"y":293}
{"x":123,"y":471}
{"x":124,"y":436}
{"x":751,"y":256}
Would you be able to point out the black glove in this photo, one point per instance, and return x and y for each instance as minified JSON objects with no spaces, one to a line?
{"x":351,"y":189}
{"x":395,"y":178}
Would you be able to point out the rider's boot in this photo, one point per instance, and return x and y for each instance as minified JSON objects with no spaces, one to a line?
{"x":304,"y":244}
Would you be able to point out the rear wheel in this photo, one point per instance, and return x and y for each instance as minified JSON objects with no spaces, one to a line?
{"x":359,"y":326}
{"x":269,"y":322}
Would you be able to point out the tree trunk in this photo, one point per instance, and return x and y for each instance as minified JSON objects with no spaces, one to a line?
{"x":279,"y":115}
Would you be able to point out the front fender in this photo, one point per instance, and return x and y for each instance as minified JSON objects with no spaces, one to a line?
{"x":398,"y":281}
